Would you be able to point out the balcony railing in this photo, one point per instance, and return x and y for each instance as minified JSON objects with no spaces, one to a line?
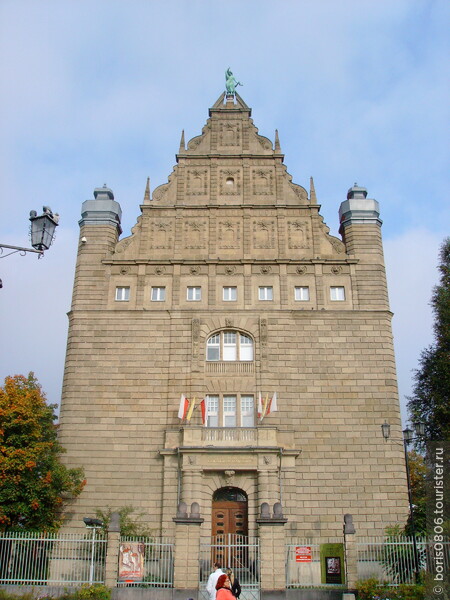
{"x":230,"y":436}
{"x":225,"y":366}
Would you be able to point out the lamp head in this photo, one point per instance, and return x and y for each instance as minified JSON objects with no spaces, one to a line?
{"x":89,"y":522}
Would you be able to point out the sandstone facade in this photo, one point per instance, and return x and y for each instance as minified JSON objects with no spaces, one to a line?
{"x":230,"y":245}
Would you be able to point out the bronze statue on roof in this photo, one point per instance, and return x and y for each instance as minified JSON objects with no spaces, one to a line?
{"x":231,"y":82}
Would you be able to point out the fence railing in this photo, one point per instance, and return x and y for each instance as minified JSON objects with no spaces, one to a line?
{"x":238,"y":552}
{"x":157,"y":562}
{"x":392,"y":559}
{"x":52,"y":559}
{"x":306,"y":572}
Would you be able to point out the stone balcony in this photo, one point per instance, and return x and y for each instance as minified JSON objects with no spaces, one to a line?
{"x":229,"y":437}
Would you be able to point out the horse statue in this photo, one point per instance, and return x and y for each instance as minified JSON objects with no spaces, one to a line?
{"x":231,"y":82}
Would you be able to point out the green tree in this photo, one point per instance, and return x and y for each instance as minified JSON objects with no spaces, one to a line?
{"x":418,"y":476}
{"x":33,"y":481}
{"x":430,"y":399}
{"x":128,"y":522}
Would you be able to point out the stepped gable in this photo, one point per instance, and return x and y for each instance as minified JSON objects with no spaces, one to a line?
{"x":230,"y":165}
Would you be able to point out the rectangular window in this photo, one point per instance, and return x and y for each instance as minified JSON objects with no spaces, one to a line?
{"x":337,"y":293}
{"x":229,"y":346}
{"x":212,"y":419}
{"x":302,"y":294}
{"x":266,"y":293}
{"x":230,"y":294}
{"x":229,"y":411}
{"x":247,"y":411}
{"x":158,"y":294}
{"x":122,"y":294}
{"x":194,"y":294}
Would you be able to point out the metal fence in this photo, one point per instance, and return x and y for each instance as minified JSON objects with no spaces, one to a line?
{"x":303,"y":568}
{"x":47,"y":559}
{"x":157,"y":562}
{"x":392,"y":559}
{"x":237,"y":552}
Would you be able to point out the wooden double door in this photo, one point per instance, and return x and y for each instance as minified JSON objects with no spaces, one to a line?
{"x":229,"y":516}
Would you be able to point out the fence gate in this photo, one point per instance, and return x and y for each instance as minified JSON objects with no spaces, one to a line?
{"x":238,"y":552}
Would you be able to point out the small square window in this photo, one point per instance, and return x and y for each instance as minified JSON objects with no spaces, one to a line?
{"x":265,"y":293}
{"x":158,"y":294}
{"x":301,"y":293}
{"x":194,"y":294}
{"x":337,"y":293}
{"x":122,"y":294}
{"x":230,"y":294}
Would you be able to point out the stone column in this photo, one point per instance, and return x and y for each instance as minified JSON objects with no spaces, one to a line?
{"x":187,"y":551}
{"x":351,"y":556}
{"x":112,"y":552}
{"x":272,"y":550}
{"x":263,"y":486}
{"x":187,"y":490}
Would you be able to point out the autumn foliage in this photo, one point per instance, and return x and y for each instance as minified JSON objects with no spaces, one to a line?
{"x":33,"y":481}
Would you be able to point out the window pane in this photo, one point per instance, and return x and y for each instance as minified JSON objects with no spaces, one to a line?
{"x":122,"y":294}
{"x":213,"y":348}
{"x":158,"y":294}
{"x":230,"y":293}
{"x":229,"y":352}
{"x":266,"y":293}
{"x":302,"y":293}
{"x":247,"y":411}
{"x":229,"y":337}
{"x":246,"y":348}
{"x":212,"y":419}
{"x":194,"y":293}
{"x":229,"y":411}
{"x":337,"y":293}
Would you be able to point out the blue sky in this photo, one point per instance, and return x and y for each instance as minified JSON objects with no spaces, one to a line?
{"x":98,"y":92}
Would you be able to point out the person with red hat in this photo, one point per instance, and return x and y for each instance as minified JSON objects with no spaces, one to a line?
{"x":223,"y":587}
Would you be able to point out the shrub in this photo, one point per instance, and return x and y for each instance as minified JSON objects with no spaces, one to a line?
{"x":373,"y":589}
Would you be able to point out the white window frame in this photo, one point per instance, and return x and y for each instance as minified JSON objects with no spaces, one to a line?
{"x":222,"y":347}
{"x":158,"y":293}
{"x":265,"y":292}
{"x":212,"y":413}
{"x":301,"y":293}
{"x":337,"y":293}
{"x":122,"y":293}
{"x":193,"y":293}
{"x":236,"y":409}
{"x":229,"y":293}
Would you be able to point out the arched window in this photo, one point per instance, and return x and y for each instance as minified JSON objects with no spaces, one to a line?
{"x":228,"y":346}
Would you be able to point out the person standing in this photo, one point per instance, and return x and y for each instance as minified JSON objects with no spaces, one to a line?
{"x":223,"y":587}
{"x":235,"y":585}
{"x":212,"y":580}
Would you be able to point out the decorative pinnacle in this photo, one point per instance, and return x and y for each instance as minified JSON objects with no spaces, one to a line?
{"x":277,"y":142}
{"x":312,"y":191}
{"x":182,"y":144}
{"x":147,"y":191}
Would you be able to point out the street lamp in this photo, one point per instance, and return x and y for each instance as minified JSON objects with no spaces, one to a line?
{"x":93,"y":524}
{"x":42,"y":233}
{"x":408,"y":437}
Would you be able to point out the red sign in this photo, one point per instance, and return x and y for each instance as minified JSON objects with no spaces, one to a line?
{"x":303,"y":554}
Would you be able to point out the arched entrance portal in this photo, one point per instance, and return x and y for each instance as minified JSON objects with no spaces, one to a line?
{"x":229,"y":512}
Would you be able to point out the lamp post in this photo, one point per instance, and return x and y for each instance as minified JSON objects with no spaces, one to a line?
{"x":93,"y":524}
{"x":408,"y":437}
{"x":42,"y":233}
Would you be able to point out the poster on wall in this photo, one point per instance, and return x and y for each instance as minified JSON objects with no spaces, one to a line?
{"x":131,"y":561}
{"x":332,"y":563}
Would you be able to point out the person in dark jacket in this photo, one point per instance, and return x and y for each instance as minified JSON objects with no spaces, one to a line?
{"x":235,"y":585}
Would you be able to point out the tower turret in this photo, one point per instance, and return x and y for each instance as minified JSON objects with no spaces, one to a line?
{"x":360,"y":228}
